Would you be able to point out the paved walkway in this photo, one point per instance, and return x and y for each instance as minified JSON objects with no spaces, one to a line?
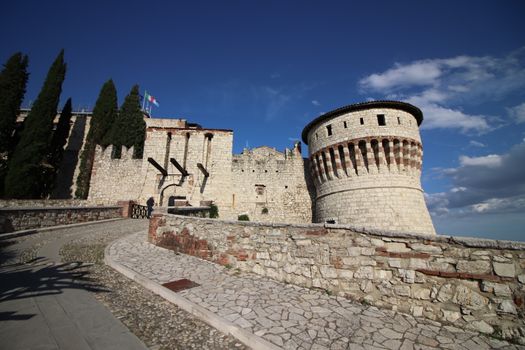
{"x":287,"y":316}
{"x":48,"y":305}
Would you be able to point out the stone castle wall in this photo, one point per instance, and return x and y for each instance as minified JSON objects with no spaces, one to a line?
{"x":189,"y":146}
{"x":271,"y":186}
{"x":472,"y":283}
{"x":367,"y":172}
{"x":237,"y":184}
{"x":114,"y":180}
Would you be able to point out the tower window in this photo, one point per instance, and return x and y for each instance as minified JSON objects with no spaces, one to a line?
{"x":399,"y":120}
{"x":361,"y":121}
{"x":329,"y":130}
{"x":316,"y":136}
{"x":381,"y":119}
{"x":344,"y":124}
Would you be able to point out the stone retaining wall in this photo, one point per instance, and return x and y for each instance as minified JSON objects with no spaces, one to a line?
{"x":474,"y":283}
{"x":9,"y":203}
{"x":23,"y":218}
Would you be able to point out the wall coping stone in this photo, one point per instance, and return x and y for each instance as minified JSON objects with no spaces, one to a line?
{"x":472,"y":242}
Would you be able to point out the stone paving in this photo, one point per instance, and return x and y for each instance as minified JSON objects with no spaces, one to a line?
{"x":288,"y":316}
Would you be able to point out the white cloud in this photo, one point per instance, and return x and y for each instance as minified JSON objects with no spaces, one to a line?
{"x":439,"y":85}
{"x":474,"y":143}
{"x":440,"y":117}
{"x":517,"y":113}
{"x":489,"y":184}
{"x":490,"y":161}
{"x":416,"y":73}
{"x":315,"y":103}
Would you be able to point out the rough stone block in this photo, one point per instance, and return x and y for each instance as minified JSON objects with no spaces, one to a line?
{"x":451,"y":316}
{"x":504,"y":270}
{"x":328,"y":272}
{"x":445,"y":293}
{"x":469,"y":298}
{"x":498,"y":289}
{"x":394,"y":263}
{"x":402,"y":290}
{"x":417,"y":311}
{"x":417,"y":264}
{"x":383,"y":274}
{"x":476,"y":266}
{"x":421,"y":293}
{"x":397,"y":247}
{"x":366,"y":272}
{"x":426,"y":248}
{"x":407,"y":276}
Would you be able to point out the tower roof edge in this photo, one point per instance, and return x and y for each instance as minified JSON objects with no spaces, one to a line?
{"x":404,"y":106}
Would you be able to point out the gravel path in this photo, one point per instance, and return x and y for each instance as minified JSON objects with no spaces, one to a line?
{"x":158,"y":323}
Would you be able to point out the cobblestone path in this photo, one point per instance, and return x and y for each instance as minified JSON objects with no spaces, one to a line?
{"x":288,"y":316}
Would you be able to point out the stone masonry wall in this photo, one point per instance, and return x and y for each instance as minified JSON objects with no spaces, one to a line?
{"x":114,"y":180}
{"x":23,"y":218}
{"x":271,"y":186}
{"x":188,"y":145}
{"x":473,"y":283}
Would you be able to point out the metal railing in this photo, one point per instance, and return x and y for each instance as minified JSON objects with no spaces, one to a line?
{"x":139,"y":211}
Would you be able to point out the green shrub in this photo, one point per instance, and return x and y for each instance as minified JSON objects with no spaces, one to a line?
{"x":243,"y":217}
{"x":214,"y":211}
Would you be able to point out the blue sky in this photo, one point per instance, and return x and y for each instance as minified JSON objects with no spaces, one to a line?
{"x":266,"y":68}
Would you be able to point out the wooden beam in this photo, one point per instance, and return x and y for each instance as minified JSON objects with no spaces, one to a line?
{"x":179,"y":167}
{"x":203,"y":169}
{"x":163,"y":171}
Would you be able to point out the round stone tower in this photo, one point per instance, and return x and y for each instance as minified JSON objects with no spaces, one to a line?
{"x":366,"y":164}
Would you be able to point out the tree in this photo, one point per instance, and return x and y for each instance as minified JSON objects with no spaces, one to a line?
{"x":13,"y":80}
{"x":24,"y":175}
{"x":129,"y":126}
{"x":56,"y":149}
{"x":104,"y":114}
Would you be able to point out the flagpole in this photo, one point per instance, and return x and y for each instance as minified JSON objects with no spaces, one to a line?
{"x":144,"y":100}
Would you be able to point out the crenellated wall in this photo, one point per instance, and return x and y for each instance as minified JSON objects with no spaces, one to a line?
{"x":272,"y":186}
{"x":472,"y":283}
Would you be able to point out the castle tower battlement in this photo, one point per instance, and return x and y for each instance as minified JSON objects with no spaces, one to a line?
{"x":366,"y":162}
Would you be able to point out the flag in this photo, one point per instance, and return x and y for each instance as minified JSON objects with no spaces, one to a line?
{"x":151,"y":99}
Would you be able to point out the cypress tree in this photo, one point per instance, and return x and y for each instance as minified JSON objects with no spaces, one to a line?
{"x":13,"y":80}
{"x":129,"y":126}
{"x":56,"y":149}
{"x":24,"y":175}
{"x":104,"y":114}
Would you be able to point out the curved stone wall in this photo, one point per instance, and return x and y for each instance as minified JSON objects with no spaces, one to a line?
{"x":366,"y":165}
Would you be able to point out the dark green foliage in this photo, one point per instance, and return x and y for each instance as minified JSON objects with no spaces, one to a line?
{"x":214,"y":211}
{"x":264,"y":211}
{"x":243,"y":217}
{"x":24,"y":177}
{"x":56,"y":149}
{"x":129,"y":126}
{"x":104,"y":114}
{"x":13,"y":80}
